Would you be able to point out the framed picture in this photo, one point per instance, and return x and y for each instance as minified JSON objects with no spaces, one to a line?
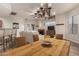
{"x":15,"y":25}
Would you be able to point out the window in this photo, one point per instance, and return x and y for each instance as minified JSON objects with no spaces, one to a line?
{"x":73,"y":24}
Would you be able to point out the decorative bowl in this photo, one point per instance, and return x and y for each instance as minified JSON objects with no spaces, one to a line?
{"x":46,"y":44}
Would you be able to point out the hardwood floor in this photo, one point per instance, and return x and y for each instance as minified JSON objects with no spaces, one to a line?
{"x":74,"y":49}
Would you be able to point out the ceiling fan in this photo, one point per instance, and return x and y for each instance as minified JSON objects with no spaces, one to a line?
{"x":13,"y":13}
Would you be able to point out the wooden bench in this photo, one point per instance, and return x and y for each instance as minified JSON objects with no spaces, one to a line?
{"x":20,"y":41}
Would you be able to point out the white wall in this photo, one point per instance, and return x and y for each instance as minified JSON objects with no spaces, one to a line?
{"x":46,"y":22}
{"x":8,"y":21}
{"x":39,"y":22}
{"x":28,"y":21}
{"x":5,"y":9}
{"x":60,"y":19}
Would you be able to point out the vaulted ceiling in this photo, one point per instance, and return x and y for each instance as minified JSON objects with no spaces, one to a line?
{"x":26,"y":9}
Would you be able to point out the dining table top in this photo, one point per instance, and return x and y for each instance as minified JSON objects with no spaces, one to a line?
{"x":58,"y":48}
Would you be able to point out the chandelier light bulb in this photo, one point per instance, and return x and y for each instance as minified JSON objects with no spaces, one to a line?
{"x":37,"y":8}
{"x":42,"y":4}
{"x":49,"y":4}
{"x":54,"y":13}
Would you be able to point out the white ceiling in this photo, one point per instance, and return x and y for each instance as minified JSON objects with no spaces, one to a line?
{"x":5,"y":9}
{"x":25,"y":9}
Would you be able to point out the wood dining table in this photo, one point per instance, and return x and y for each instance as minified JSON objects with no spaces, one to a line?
{"x":58,"y":48}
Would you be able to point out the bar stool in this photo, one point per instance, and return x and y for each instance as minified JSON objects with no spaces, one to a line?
{"x":7,"y":38}
{"x":13,"y":37}
{"x":1,"y":40}
{"x":59,"y":36}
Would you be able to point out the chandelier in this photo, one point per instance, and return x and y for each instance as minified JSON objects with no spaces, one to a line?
{"x":44,"y":11}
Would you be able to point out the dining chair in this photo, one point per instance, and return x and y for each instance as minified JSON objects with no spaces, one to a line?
{"x":59,"y":36}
